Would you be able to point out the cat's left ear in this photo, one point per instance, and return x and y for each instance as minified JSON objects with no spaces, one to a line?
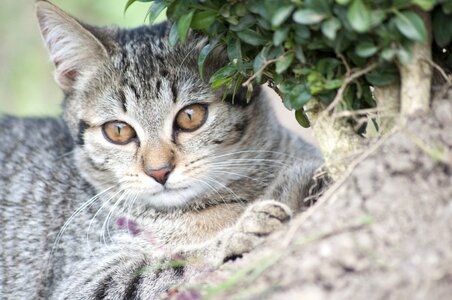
{"x":73,"y":48}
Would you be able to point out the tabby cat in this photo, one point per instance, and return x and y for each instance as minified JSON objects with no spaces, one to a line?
{"x":146,"y":166}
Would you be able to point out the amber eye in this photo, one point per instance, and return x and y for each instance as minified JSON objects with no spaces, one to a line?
{"x":191,"y":117}
{"x":118,"y":132}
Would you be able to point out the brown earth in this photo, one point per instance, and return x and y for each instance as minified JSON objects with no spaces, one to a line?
{"x":384,"y":233}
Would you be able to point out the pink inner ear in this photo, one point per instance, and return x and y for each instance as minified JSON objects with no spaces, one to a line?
{"x":66,"y":78}
{"x":70,"y":75}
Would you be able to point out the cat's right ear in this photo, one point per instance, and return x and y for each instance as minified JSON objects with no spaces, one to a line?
{"x":73,"y":48}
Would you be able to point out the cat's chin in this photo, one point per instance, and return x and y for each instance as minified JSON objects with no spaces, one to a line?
{"x":169,"y":198}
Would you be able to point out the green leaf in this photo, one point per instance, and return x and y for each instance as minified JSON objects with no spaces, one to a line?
{"x":264,"y":24}
{"x":333,"y":84}
{"x":359,"y":16}
{"x":205,"y":51}
{"x":237,"y":85}
{"x":225,"y":10}
{"x":404,"y":55}
{"x":330,"y":27}
{"x":321,"y":6}
{"x":298,"y":97}
{"x":280,"y":35}
{"x":424,"y":4}
{"x":411,"y":25}
{"x":287,"y":86}
{"x":155,"y":10}
{"x":175,"y":9}
{"x":173,"y":35}
{"x":299,"y":53}
{"x":129,"y":2}
{"x":302,"y":118}
{"x":376,"y":17}
{"x":235,"y":53}
{"x":223,"y":76}
{"x":259,"y":62}
{"x":251,"y":37}
{"x":366,"y":49}
{"x":284,"y":62}
{"x":241,"y":9}
{"x":219,"y":82}
{"x":275,"y":52}
{"x":388,"y":54}
{"x":442,"y":28}
{"x":281,"y":15}
{"x":327,"y":67}
{"x":447,"y":7}
{"x":308,"y":16}
{"x":203,"y":19}
{"x":244,"y":23}
{"x":384,"y":75}
{"x":183,"y":25}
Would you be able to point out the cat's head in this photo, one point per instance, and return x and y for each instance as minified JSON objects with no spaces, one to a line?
{"x":142,"y":119}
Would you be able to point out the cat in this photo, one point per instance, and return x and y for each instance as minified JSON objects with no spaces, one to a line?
{"x":147,"y":166}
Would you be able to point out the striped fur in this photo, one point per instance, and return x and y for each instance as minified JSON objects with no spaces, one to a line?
{"x":81,"y":219}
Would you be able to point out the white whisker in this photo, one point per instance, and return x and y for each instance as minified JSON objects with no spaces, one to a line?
{"x":211,"y":187}
{"x":106,"y":224}
{"x":229,"y":190}
{"x":95,"y":215}
{"x":238,"y":175}
{"x":85,"y":205}
{"x":256,"y":152}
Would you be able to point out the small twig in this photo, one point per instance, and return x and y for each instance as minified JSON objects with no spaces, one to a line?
{"x":261,"y":69}
{"x":447,"y":78}
{"x":347,"y":80}
{"x":276,"y":89}
{"x":351,"y":113}
{"x":367,"y":111}
{"x":344,"y":61}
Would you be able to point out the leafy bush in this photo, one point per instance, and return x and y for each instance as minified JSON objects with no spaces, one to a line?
{"x":307,"y":49}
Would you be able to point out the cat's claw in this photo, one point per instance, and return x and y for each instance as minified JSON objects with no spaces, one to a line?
{"x":258,"y":221}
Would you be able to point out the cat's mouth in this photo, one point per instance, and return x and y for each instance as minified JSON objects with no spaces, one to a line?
{"x":169,"y":189}
{"x":166,"y":190}
{"x":169,"y":197}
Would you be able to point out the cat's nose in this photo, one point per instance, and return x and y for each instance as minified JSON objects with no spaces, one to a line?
{"x":159,"y":175}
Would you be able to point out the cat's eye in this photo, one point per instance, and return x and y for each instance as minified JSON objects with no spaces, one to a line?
{"x":118,"y":132}
{"x":191,"y":117}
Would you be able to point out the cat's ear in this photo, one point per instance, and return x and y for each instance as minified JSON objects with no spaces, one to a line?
{"x":73,"y":48}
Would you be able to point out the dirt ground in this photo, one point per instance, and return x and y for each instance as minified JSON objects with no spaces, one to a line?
{"x":384,"y":233}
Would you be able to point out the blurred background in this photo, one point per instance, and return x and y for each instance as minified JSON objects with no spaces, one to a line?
{"x":26,"y":81}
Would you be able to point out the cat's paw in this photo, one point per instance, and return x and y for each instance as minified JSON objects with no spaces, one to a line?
{"x":258,"y":221}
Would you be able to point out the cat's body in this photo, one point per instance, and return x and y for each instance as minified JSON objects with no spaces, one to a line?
{"x":165,"y":190}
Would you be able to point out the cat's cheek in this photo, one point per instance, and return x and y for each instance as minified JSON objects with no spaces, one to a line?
{"x":114,"y":157}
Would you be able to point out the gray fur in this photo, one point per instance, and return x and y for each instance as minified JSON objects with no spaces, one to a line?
{"x":53,"y":167}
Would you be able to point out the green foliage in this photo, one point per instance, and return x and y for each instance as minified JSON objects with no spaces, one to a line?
{"x":305,"y":48}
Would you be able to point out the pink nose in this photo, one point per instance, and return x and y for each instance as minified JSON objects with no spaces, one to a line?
{"x":159,"y":175}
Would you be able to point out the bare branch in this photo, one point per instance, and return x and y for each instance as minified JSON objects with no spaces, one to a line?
{"x":347,"y":80}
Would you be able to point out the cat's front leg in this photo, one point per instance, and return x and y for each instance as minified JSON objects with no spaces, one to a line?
{"x":126,"y":269}
{"x":258,"y":221}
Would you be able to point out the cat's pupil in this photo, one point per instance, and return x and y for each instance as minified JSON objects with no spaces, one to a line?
{"x":189,"y":113}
